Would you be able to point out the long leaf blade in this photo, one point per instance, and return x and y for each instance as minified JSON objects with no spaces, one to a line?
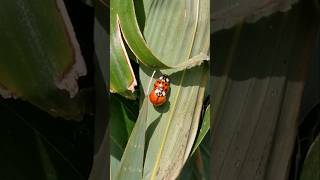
{"x":40,"y":56}
{"x":141,"y":47}
{"x":121,"y":122}
{"x":122,"y":78}
{"x":176,"y":31}
{"x":259,"y":80}
{"x":203,"y":130}
{"x":131,"y":164}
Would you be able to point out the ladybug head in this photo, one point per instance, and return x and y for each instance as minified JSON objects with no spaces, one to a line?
{"x":165,"y":78}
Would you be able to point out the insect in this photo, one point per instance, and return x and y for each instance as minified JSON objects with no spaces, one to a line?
{"x":160,"y":89}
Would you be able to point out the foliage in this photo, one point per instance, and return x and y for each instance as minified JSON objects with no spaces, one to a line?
{"x":41,"y":59}
{"x":162,"y":138}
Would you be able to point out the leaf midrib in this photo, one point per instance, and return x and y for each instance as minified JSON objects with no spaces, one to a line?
{"x":167,"y":129}
{"x":154,"y":170}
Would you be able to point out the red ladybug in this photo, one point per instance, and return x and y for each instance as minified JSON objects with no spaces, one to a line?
{"x":160,"y":89}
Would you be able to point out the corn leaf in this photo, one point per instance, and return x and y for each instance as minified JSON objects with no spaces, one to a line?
{"x":310,"y":169}
{"x":259,"y":76}
{"x":101,"y":160}
{"x":204,"y":129}
{"x":122,"y":78}
{"x":131,"y":164}
{"x":198,"y":167}
{"x":227,"y":14}
{"x":101,"y":39}
{"x":121,"y":121}
{"x":139,"y":46}
{"x":176,"y":31}
{"x":27,"y":139}
{"x":40,"y":56}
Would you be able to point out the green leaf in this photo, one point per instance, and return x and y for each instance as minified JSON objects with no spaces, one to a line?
{"x":143,"y":49}
{"x":176,"y":31}
{"x":131,"y":164}
{"x":310,"y":169}
{"x":121,"y":123}
{"x":122,"y":78}
{"x":203,"y":130}
{"x":198,"y":166}
{"x":131,"y":32}
{"x":40,"y":57}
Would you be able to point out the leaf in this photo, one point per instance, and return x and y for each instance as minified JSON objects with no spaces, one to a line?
{"x":139,"y":46}
{"x":203,"y":130}
{"x":30,"y":135}
{"x":101,"y":166}
{"x":176,"y":31}
{"x":228,"y":14}
{"x":198,"y":166}
{"x":131,"y":164}
{"x":310,"y":169}
{"x":40,"y":56}
{"x":121,"y":123}
{"x":259,"y":77}
{"x":88,"y":2}
{"x":122,"y":78}
{"x":102,"y":38}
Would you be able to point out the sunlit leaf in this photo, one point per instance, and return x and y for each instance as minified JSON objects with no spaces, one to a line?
{"x":176,"y":31}
{"x":141,"y":48}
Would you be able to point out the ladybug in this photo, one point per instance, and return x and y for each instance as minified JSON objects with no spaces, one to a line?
{"x":160,"y":89}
